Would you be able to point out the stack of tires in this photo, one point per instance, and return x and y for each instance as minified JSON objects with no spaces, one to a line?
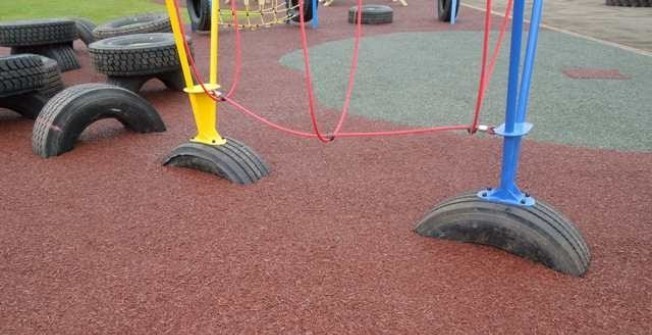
{"x":51,"y":38}
{"x":132,"y":50}
{"x":130,"y":61}
{"x":129,"y":51}
{"x":27,"y":82}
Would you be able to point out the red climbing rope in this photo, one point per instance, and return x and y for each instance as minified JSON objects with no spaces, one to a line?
{"x":308,"y":76}
{"x":238,"y":51}
{"x":487,"y":72}
{"x":352,"y":72}
{"x":485,"y":76}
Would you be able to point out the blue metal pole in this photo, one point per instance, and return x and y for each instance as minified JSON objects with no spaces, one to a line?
{"x":511,"y":145}
{"x":514,"y":65}
{"x":514,"y":127}
{"x":528,"y":66}
{"x":453,"y":10}
{"x":315,"y":15}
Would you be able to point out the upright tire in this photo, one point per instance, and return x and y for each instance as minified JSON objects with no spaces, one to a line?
{"x":538,"y":232}
{"x":85,"y":29}
{"x":199,"y":12}
{"x":233,"y":161}
{"x":37,"y":32}
{"x":372,"y":14}
{"x":444,"y":10}
{"x":20,"y":74}
{"x":137,"y":24}
{"x":68,"y":113}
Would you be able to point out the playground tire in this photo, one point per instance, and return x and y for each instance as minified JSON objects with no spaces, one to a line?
{"x":629,"y":3}
{"x":444,"y":10}
{"x":68,"y":113}
{"x":137,"y":24}
{"x":233,"y":161}
{"x":37,"y":32}
{"x":537,"y":232}
{"x":29,"y":105}
{"x":52,"y":83}
{"x":199,"y":12}
{"x":372,"y":14}
{"x":85,"y":30}
{"x":307,"y":10}
{"x":135,"y":55}
{"x":172,"y":80}
{"x":63,"y":54}
{"x":132,"y":84}
{"x":20,"y":74}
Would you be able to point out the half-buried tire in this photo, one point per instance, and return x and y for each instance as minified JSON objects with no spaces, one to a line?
{"x":68,"y":113}
{"x":537,"y":232}
{"x":233,"y":161}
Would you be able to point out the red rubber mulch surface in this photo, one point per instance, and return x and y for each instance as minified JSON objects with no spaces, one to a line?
{"x":105,"y":240}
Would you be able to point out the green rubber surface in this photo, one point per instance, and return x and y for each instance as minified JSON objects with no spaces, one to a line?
{"x":431,"y":78}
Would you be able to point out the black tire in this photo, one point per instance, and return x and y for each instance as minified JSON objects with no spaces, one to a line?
{"x":138,"y":24}
{"x":307,"y":10}
{"x":63,"y":54}
{"x":52,"y":82}
{"x":172,"y":80}
{"x":132,"y":84}
{"x":444,"y":10}
{"x":37,"y":32}
{"x":135,"y":55}
{"x":233,"y":161}
{"x":29,"y":105}
{"x":538,"y":232}
{"x":85,"y":30}
{"x":199,"y":12}
{"x":372,"y":14}
{"x":68,"y":113}
{"x":20,"y":74}
{"x":629,"y":3}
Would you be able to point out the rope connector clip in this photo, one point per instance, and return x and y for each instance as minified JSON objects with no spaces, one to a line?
{"x":486,"y":129}
{"x":219,"y":95}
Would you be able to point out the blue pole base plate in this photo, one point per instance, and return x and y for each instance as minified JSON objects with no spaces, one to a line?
{"x":510,"y":197}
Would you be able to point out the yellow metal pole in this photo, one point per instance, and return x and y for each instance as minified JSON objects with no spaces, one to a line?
{"x":178,"y":38}
{"x":215,"y":12}
{"x":204,"y":108}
